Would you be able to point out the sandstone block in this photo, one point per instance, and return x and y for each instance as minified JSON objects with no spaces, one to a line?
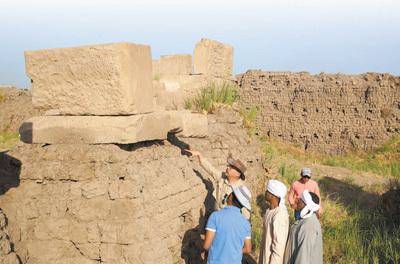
{"x":111,"y":79}
{"x":172,"y":65}
{"x":213,"y":58}
{"x":111,"y":129}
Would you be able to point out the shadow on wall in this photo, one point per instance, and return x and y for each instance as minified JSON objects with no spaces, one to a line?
{"x":192,"y":241}
{"x":25,"y":132}
{"x":144,"y":144}
{"x":10,"y":169}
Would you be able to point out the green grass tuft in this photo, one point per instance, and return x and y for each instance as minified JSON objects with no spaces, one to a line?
{"x":210,"y":98}
{"x":2,"y":97}
{"x":249,"y":117}
{"x":351,"y":234}
{"x":8,"y":140}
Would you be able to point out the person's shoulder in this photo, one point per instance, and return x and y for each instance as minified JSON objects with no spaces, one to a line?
{"x":312,"y":223}
{"x":313,"y":182}
{"x":295,"y":183}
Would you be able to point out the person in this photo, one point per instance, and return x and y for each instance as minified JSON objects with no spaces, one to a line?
{"x":305,"y":236}
{"x":276,"y":224}
{"x":304,"y":183}
{"x":228,"y":233}
{"x":233,"y":176}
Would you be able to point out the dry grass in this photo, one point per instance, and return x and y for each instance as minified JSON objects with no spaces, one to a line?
{"x":351,"y":234}
{"x":212,"y":97}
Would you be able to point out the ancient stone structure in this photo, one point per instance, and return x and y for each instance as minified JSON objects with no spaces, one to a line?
{"x":178,"y":77}
{"x":142,"y":203}
{"x":332,"y":113}
{"x":213,"y":58}
{"x":102,"y":94}
{"x":112,"y":79}
{"x":15,"y":107}
{"x":7,"y":254}
{"x":171,"y":65}
{"x":112,"y":129}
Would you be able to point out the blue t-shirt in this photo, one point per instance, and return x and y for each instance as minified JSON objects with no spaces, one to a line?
{"x":231,"y":229}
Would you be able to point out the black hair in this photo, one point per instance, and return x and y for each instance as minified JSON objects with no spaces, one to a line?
{"x":235,"y":201}
{"x":314,"y":198}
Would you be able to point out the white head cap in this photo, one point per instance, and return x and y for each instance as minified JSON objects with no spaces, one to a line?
{"x":278,"y":189}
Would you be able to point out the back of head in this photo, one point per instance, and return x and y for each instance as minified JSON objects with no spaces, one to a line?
{"x":314,"y":198}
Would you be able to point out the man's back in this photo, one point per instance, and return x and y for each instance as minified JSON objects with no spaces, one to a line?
{"x":231,"y":229}
{"x":305,"y":242}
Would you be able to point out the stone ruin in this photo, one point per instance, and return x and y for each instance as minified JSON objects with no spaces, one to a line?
{"x":331,"y":113}
{"x":102,"y":94}
{"x":70,"y":199}
{"x":178,"y":77}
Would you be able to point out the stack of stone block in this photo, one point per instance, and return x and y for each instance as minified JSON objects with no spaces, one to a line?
{"x":99,"y":94}
{"x":179,"y":77}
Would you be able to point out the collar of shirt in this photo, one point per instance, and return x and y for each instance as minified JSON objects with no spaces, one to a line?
{"x":231,"y":207}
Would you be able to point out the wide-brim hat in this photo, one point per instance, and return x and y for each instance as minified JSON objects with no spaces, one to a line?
{"x":243,"y":195}
{"x":237,"y":164}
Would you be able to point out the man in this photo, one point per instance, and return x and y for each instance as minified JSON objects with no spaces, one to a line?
{"x":228,"y":233}
{"x":305,"y":237}
{"x":304,"y":183}
{"x":276,"y":225}
{"x":224,"y":181}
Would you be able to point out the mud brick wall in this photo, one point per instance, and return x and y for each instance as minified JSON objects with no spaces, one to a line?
{"x":332,"y":113}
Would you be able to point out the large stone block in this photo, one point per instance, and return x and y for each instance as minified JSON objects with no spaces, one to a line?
{"x":111,"y":79}
{"x":213,"y":58}
{"x":172,"y":65}
{"x":112,"y":129}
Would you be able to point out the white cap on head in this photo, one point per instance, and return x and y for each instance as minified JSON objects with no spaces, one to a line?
{"x":243,"y":195}
{"x":278,"y":189}
{"x":305,"y":172}
{"x":310,"y":207}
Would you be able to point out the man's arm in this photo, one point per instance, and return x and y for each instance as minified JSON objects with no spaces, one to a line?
{"x":207,"y":166}
{"x":247,"y":246}
{"x":209,"y":239}
{"x":291,"y":197}
{"x":317,"y":192}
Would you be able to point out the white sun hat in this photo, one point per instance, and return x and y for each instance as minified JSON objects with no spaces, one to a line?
{"x":243,"y":194}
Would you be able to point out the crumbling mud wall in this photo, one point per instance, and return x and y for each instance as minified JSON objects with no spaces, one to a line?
{"x":7,"y":254}
{"x":138,"y":203}
{"x":332,"y":113}
{"x":15,"y":108}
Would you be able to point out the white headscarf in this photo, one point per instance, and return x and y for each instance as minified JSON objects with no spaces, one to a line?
{"x":278,"y":189}
{"x":310,"y":207}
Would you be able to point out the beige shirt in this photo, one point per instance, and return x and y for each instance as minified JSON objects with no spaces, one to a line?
{"x":222,"y":187}
{"x":275,"y":233}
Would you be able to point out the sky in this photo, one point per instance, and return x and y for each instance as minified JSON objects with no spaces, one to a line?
{"x":347,"y":36}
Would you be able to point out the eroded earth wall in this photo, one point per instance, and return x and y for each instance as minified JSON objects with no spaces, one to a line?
{"x":138,"y":203}
{"x":333,"y":113}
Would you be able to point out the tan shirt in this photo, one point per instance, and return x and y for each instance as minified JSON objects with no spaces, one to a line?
{"x":275,"y":233}
{"x":222,"y":188}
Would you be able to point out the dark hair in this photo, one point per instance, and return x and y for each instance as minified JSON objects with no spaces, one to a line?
{"x":314,"y":198}
{"x":235,"y":201}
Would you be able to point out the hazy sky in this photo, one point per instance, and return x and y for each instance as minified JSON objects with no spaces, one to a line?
{"x":348,"y":36}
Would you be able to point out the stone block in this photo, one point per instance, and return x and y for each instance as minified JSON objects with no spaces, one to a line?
{"x":111,"y":79}
{"x":111,"y":129}
{"x":172,"y":65}
{"x":213,"y":58}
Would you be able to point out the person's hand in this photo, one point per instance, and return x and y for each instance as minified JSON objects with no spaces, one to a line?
{"x":203,"y":255}
{"x":194,"y":153}
{"x":319,"y":214}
